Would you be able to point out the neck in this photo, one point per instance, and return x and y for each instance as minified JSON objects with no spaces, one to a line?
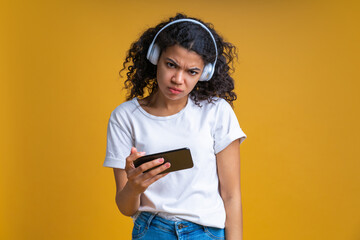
{"x":166,"y":106}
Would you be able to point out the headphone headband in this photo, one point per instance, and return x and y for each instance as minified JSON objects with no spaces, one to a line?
{"x":154,"y":51}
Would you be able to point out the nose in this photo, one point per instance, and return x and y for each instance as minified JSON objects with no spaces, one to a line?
{"x":178,"y":77}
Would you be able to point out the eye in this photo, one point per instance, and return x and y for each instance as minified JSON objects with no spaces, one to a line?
{"x":170,"y":65}
{"x":192,"y":72}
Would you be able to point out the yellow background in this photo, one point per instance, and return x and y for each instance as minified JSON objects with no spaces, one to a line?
{"x":297,"y":79}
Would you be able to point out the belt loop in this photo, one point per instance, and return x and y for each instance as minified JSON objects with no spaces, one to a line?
{"x":150,"y":219}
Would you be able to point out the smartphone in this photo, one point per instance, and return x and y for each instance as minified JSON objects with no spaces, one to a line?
{"x":178,"y":158}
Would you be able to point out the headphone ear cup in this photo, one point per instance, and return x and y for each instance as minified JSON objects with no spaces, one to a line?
{"x":207,"y":72}
{"x":154,"y":54}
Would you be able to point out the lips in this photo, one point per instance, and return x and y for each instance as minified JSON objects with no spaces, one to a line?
{"x":175,"y":90}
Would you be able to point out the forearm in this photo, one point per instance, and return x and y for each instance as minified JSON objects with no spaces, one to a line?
{"x":131,"y":182}
{"x":234,"y":219}
{"x":127,"y":201}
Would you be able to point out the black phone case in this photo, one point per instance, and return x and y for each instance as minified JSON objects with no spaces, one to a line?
{"x":179,"y":159}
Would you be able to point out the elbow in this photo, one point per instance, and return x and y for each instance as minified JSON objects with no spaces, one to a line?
{"x":125,"y":213}
{"x":123,"y":210}
{"x":231,"y":198}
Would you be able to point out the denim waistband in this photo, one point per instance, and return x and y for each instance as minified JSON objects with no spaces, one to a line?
{"x":151,"y":226}
{"x":169,"y":225}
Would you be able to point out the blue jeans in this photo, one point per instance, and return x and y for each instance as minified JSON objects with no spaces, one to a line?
{"x":149,"y":226}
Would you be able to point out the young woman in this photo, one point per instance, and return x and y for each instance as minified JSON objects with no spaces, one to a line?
{"x":180,"y":95}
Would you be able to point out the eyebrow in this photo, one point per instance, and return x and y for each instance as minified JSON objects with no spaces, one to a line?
{"x":174,"y":62}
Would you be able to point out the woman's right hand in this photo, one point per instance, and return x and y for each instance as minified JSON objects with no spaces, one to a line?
{"x":138,"y":181}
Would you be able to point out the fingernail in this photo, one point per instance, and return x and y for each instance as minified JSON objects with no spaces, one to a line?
{"x":161,"y":160}
{"x":142,"y":153}
{"x":168,"y":164}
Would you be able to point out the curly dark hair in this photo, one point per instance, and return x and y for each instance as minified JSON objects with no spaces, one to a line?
{"x":141,"y":75}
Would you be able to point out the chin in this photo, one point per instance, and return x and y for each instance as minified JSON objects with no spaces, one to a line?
{"x":175,"y":97}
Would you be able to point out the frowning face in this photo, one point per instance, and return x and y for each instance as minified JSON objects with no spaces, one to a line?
{"x":178,"y":71}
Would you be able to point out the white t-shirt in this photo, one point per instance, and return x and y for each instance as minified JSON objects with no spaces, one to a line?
{"x":191,"y":194}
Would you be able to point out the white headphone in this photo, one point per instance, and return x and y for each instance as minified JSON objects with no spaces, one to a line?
{"x":154,"y":50}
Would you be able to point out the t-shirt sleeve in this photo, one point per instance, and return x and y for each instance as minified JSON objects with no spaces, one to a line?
{"x":118,"y":147}
{"x":227,"y":128}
